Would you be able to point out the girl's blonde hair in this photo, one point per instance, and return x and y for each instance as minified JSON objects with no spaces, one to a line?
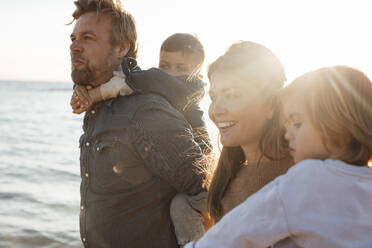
{"x":339,"y":102}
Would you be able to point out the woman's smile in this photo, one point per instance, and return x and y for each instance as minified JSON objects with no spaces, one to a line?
{"x":225,"y":125}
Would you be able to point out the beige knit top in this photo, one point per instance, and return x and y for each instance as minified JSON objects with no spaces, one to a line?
{"x":250,"y":179}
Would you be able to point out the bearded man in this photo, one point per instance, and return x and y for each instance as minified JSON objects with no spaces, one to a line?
{"x":137,"y":152}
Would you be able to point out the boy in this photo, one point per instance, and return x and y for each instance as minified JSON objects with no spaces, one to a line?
{"x":182,"y":56}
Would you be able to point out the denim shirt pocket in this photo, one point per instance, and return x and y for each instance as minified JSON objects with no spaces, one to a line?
{"x":103,"y":163}
{"x":115,"y":166}
{"x":130,"y":166}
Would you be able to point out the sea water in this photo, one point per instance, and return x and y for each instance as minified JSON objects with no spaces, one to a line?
{"x":39,"y":166}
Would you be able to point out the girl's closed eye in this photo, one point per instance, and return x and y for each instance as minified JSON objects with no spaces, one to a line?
{"x":295,"y":120}
{"x":286,"y":124}
{"x":297,"y":124}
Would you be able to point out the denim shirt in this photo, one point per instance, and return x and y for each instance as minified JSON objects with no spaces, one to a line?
{"x":137,"y":152}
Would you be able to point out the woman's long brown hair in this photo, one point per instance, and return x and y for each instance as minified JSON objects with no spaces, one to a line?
{"x":272,"y":143}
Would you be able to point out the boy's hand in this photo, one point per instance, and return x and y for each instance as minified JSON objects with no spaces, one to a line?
{"x":80,"y":99}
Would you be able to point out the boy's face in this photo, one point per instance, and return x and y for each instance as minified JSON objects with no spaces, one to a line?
{"x":304,"y":141}
{"x":177,"y":63}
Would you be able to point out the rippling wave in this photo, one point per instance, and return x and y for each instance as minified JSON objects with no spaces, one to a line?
{"x":39,"y":166}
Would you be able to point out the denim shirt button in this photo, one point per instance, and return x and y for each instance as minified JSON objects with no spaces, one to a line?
{"x":147,"y":148}
{"x":87,"y":144}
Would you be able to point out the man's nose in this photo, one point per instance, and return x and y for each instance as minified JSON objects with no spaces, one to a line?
{"x":75,"y":47}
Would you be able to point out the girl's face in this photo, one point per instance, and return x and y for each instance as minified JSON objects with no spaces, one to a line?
{"x":237,"y":109}
{"x":304,"y":141}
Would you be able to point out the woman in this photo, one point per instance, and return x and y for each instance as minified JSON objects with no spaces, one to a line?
{"x":323,"y":200}
{"x":244,"y":86}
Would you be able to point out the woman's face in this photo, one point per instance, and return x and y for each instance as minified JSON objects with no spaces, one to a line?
{"x":237,"y":108}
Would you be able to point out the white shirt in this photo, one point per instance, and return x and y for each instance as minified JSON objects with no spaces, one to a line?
{"x":317,"y":204}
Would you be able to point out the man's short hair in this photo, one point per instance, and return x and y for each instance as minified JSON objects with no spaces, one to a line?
{"x":185,"y":43}
{"x":123,"y":23}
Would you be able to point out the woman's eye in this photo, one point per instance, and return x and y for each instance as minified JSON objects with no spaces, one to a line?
{"x":297,"y":124}
{"x":232,"y":95}
{"x":87,"y":38}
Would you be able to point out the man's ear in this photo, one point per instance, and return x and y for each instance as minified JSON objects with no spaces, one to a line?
{"x":122,"y":50}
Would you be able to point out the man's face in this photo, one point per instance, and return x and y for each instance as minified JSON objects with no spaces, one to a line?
{"x":93,"y":58}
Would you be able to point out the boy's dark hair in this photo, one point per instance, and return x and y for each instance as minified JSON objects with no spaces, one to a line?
{"x":185,"y":43}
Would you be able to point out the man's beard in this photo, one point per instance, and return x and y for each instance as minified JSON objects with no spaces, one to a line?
{"x":89,"y":74}
{"x":83,"y":76}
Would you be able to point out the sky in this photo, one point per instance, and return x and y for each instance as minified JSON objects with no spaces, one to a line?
{"x":305,"y":35}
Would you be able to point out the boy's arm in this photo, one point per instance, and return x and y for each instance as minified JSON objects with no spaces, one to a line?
{"x":116,"y":86}
{"x":83,"y":98}
{"x":158,"y":82}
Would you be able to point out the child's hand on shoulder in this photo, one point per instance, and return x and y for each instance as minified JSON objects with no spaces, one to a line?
{"x":85,"y":96}
{"x":80,"y":99}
